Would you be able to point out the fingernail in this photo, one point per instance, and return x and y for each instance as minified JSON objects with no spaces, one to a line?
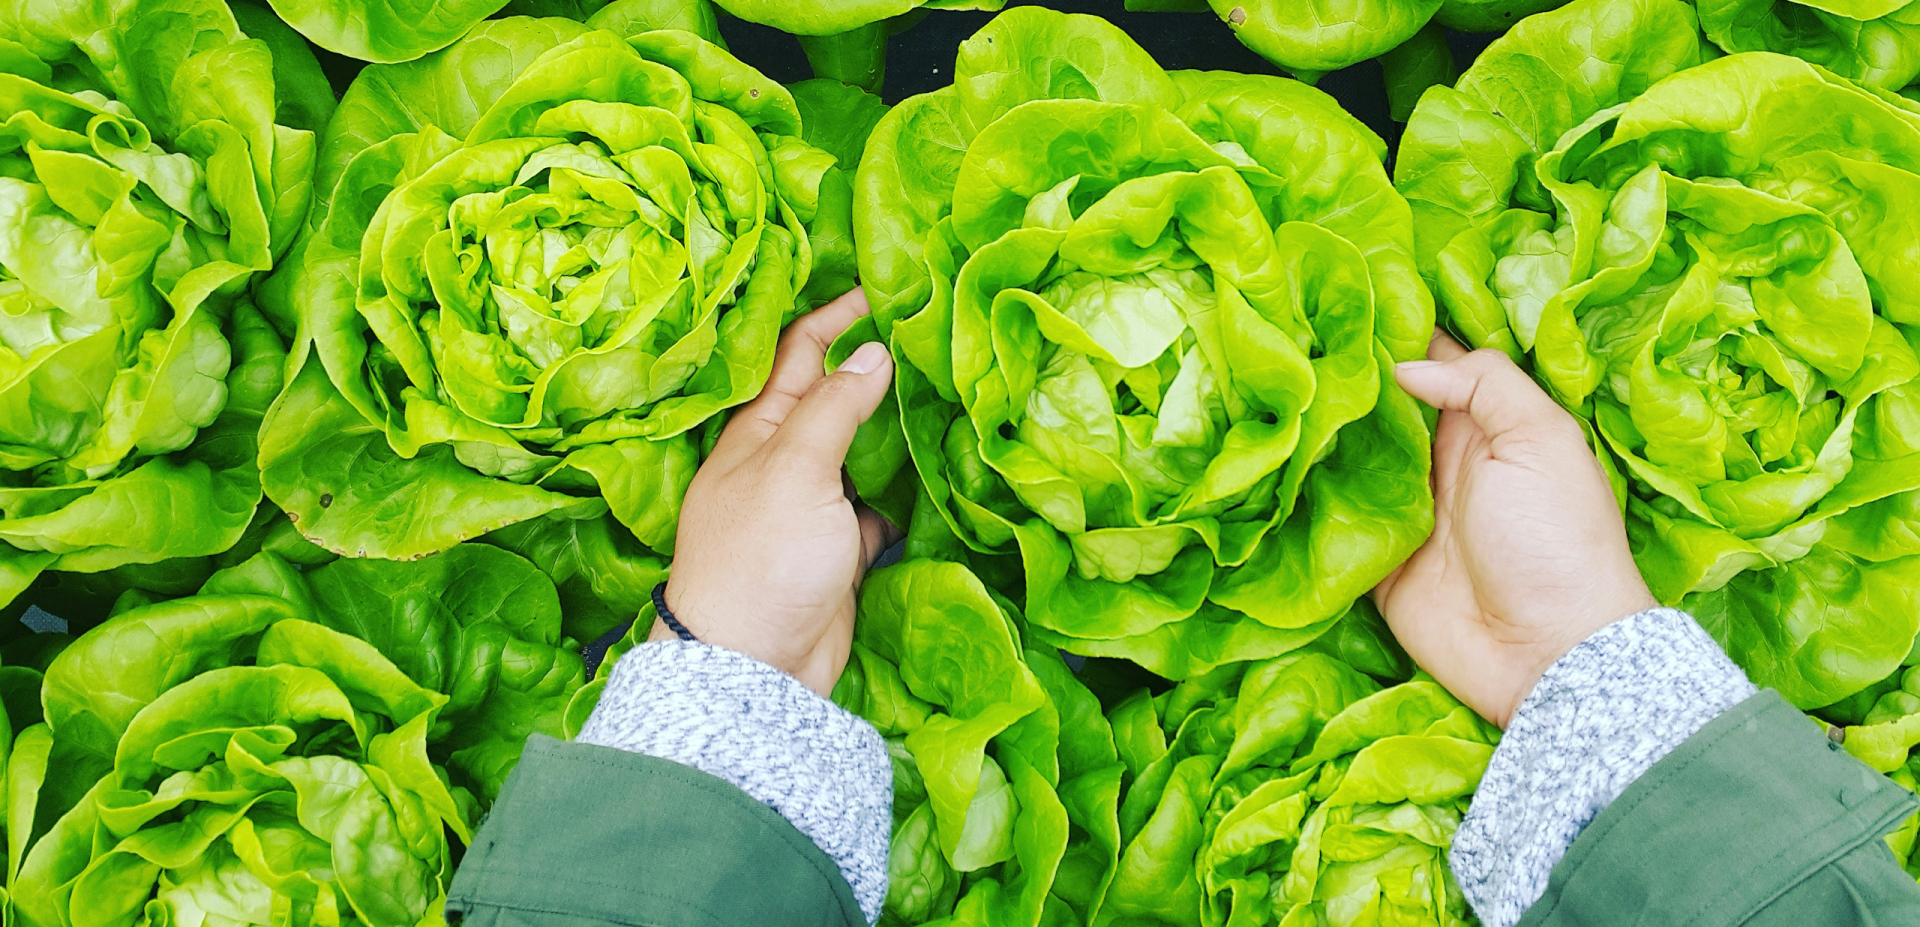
{"x":1416,"y":365}
{"x":865,"y":360}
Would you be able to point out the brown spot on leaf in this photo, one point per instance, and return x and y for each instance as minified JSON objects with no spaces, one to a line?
{"x":753,"y":92}
{"x":326,"y":500}
{"x":1237,"y":16}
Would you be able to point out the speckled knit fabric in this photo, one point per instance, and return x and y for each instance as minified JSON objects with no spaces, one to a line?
{"x":1600,"y":717}
{"x":731,"y":716}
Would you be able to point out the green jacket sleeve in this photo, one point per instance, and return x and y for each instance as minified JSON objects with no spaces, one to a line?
{"x":585,"y":835}
{"x":1757,"y":819}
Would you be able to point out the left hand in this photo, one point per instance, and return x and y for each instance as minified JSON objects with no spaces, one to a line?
{"x":771,"y":546}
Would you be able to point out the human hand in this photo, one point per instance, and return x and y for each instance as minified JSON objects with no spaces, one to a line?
{"x":771,"y":549}
{"x":1528,"y":555}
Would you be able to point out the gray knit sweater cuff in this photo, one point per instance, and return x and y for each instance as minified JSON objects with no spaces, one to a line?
{"x":729,"y":715}
{"x":1600,"y":717}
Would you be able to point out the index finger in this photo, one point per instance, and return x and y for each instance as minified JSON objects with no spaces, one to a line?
{"x":800,"y":360}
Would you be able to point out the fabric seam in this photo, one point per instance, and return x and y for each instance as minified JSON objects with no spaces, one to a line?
{"x":1842,"y":848}
{"x":1653,"y":784}
{"x":705,"y":916}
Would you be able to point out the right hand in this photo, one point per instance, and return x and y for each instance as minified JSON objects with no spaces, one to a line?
{"x":772,"y":546}
{"x":1528,"y":555}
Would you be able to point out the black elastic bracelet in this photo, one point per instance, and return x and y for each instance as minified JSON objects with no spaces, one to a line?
{"x":666,"y":614}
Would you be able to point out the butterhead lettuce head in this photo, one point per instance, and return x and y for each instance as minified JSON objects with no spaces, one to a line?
{"x":1006,"y":780}
{"x":156,"y":158}
{"x":1875,"y":43}
{"x":1310,"y":39}
{"x":1294,"y":791}
{"x":551,"y":255}
{"x":282,"y":740}
{"x":1713,"y":263}
{"x":1145,"y":325}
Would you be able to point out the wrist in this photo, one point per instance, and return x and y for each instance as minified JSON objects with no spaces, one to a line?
{"x":670,"y":601}
{"x":816,"y":665}
{"x":1570,"y":635}
{"x":1533,"y":670}
{"x":673,"y":605}
{"x":664,"y":618}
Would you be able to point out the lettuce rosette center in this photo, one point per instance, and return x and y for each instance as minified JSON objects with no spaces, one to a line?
{"x":1151,"y":349}
{"x":533,"y":307}
{"x":1171,"y":378}
{"x":562,"y":282}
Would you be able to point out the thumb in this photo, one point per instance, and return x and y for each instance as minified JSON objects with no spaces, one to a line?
{"x":820,"y":428}
{"x":1498,"y":396}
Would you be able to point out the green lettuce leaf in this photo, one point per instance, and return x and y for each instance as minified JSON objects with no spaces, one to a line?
{"x":846,"y":40}
{"x":831,"y":17}
{"x":395,"y":31}
{"x":1722,"y":294}
{"x":26,"y":750}
{"x":476,"y":623}
{"x":381,"y":30}
{"x":1414,"y":65}
{"x":1006,"y":777}
{"x":316,"y":737}
{"x":160,"y":158}
{"x":1883,"y":736}
{"x":1875,"y":42}
{"x":1309,"y":40}
{"x":1294,"y":791}
{"x":1149,"y":353}
{"x":552,"y":255}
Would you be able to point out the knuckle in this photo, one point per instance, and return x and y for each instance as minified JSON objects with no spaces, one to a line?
{"x":832,"y":388}
{"x":1490,"y":360}
{"x":818,"y":326}
{"x":795,"y":337}
{"x":856,"y":297}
